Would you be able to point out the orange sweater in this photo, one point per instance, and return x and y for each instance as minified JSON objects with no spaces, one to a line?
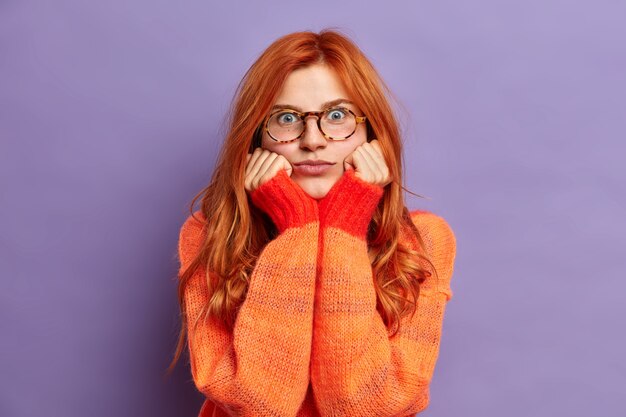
{"x":308,"y":340}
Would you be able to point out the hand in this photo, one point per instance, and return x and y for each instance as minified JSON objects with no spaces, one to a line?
{"x":262,"y":165}
{"x":369,"y":164}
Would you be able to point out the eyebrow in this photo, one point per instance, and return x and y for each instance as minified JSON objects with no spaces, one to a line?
{"x":324,"y":106}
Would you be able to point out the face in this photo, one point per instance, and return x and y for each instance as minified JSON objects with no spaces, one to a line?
{"x":307,"y":89}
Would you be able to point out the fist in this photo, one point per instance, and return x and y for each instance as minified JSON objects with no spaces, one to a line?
{"x":368,"y":163}
{"x":262,"y":165}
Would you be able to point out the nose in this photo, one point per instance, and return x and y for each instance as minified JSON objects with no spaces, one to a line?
{"x":312,"y":138}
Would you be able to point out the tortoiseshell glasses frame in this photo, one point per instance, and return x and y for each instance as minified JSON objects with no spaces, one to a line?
{"x":317,"y":114}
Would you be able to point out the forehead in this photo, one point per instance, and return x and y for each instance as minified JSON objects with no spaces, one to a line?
{"x":312,"y":88}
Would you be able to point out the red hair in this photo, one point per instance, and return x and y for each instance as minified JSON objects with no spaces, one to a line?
{"x":236,"y":230}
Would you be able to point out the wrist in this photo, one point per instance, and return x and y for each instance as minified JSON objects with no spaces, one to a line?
{"x":350,"y":204}
{"x":285,"y":202}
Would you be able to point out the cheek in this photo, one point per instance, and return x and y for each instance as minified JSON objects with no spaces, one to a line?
{"x":284,"y":149}
{"x":270,"y":145}
{"x":344,"y":149}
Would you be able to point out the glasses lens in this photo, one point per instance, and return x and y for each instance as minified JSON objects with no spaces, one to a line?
{"x":285,"y":125}
{"x":338,"y":123}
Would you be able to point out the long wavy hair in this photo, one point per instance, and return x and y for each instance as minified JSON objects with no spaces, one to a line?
{"x":236,"y":231}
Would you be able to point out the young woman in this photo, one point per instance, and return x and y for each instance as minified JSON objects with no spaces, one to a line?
{"x":306,"y":286}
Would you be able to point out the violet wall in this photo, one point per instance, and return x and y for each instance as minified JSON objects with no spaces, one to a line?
{"x":513,"y":116}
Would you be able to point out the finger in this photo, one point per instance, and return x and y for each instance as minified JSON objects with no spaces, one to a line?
{"x":379,"y":150}
{"x":256,"y":160}
{"x":377,"y":163}
{"x":374,"y":152}
{"x":258,"y":170}
{"x":267,"y":162}
{"x":248,"y":156}
{"x":277,"y":165}
{"x":256,"y":165}
{"x":348,"y":163}
{"x":261,"y":176}
{"x":284,"y":164}
{"x":375,"y":145}
{"x":361,"y":168}
{"x":368,"y":170}
{"x":376,"y":149}
{"x":252,"y":160}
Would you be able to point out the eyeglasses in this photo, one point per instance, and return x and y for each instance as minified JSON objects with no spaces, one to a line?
{"x":336,"y":123}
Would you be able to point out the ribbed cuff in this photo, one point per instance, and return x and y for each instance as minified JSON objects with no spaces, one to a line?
{"x":285,"y":202}
{"x":350,"y":204}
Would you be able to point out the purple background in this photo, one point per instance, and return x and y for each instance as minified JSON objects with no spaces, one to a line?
{"x":514,"y":119}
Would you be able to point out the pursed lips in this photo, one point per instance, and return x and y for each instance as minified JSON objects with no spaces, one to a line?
{"x":317,"y":167}
{"x":315,"y":162}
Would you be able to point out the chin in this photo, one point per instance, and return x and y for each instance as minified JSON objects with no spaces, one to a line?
{"x":316,"y":194}
{"x":316,"y":188}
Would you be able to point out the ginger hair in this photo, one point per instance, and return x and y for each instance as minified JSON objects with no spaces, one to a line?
{"x":235,"y":231}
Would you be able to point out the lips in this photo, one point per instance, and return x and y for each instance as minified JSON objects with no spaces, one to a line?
{"x":309,"y":167}
{"x":314,"y":162}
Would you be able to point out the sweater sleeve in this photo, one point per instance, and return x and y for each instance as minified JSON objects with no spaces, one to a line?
{"x":356,"y":368}
{"x":261,"y":366}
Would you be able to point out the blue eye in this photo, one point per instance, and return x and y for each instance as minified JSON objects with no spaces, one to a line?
{"x":336,"y":115}
{"x":287,"y":118}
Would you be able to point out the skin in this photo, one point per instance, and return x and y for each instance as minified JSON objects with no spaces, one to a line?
{"x":307,"y":88}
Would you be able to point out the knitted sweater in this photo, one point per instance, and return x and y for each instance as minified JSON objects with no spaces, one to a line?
{"x":308,"y":340}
